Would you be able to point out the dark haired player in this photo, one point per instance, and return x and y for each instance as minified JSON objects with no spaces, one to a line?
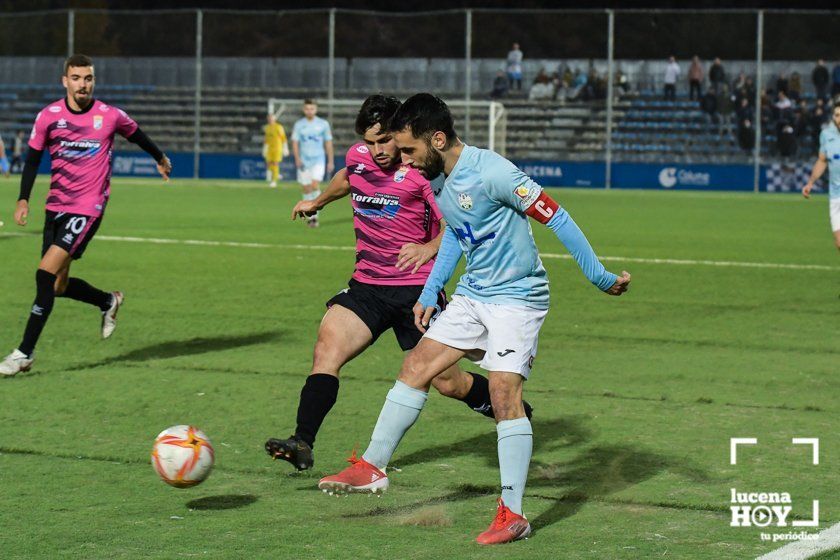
{"x":397,"y":228}
{"x":497,"y":310}
{"x":79,"y":132}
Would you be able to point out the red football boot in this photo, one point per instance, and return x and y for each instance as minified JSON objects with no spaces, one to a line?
{"x":507,"y":527}
{"x":360,"y":477}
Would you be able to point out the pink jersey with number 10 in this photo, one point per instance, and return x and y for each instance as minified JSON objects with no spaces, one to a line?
{"x":390,"y":208}
{"x":80,"y":148}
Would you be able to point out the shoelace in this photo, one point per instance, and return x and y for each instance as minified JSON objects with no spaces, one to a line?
{"x":501,"y":516}
{"x":353,"y":459}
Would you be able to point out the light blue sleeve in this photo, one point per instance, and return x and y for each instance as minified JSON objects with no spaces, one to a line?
{"x":578,"y":246}
{"x":446,"y":261}
{"x":327,"y":132}
{"x":507,"y":183}
{"x":822,"y":141}
{"x":296,"y":132}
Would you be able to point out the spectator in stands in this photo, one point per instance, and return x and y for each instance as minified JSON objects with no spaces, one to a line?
{"x":708,"y":104}
{"x":622,"y":84}
{"x":542,"y":89}
{"x":801,"y":119}
{"x":819,"y":76}
{"x":750,"y":87}
{"x":835,"y":80}
{"x":740,"y":82}
{"x":514,"y":67}
{"x":782,"y":106}
{"x":578,"y":83}
{"x":695,"y":78}
{"x":785,"y":139}
{"x":568,"y":76}
{"x":717,"y":76}
{"x":746,"y":132}
{"x":766,"y":111}
{"x":745,"y":111}
{"x":18,"y":148}
{"x":795,"y":87}
{"x":561,"y":86}
{"x":725,"y":108}
{"x":782,"y":84}
{"x":672,"y":72}
{"x":595,"y":87}
{"x":500,"y":85}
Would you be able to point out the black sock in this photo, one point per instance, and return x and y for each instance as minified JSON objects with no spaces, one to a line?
{"x":478,"y":398}
{"x":41,"y":308}
{"x":80,"y":290}
{"x":316,"y":399}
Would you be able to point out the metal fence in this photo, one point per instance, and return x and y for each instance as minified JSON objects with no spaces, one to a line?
{"x":598,"y":77}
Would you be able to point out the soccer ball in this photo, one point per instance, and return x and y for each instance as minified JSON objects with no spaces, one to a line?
{"x":182,"y":456}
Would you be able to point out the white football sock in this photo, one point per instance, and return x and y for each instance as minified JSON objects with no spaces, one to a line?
{"x":401,"y":409}
{"x":515,"y":444}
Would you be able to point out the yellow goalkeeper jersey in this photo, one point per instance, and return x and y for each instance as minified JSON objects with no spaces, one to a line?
{"x":275,"y":136}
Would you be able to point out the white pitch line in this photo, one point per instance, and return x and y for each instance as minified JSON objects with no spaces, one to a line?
{"x":644,"y":260}
{"x":829,"y":540}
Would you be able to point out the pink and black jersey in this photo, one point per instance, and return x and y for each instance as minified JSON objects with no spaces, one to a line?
{"x":390,"y":208}
{"x":80,"y":148}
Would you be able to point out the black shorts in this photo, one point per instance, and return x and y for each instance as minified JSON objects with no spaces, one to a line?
{"x":385,"y":307}
{"x":71,"y":232}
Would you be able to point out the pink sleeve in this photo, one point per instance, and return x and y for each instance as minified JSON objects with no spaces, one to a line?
{"x":38,"y":136}
{"x":125,"y":124}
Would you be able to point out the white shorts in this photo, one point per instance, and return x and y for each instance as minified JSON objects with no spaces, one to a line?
{"x":306,"y":175}
{"x":505,"y":336}
{"x":834,"y":210}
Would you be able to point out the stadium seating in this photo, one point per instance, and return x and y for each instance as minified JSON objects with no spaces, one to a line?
{"x":645,"y":127}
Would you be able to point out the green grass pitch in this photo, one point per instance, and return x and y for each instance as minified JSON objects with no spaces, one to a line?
{"x":636,"y":397}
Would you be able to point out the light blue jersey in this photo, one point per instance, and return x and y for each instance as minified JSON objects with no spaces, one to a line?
{"x":310,"y":136}
{"x":830,"y":146}
{"x":479,"y":203}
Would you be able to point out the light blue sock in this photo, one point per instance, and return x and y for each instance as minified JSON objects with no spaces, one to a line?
{"x":401,"y":409}
{"x":515,"y":444}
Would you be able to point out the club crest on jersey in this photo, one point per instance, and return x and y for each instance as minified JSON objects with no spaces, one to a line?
{"x":399,"y":176}
{"x":61,"y":123}
{"x":465,"y":201}
{"x":359,"y":169}
{"x":528,"y":195}
{"x":97,"y":122}
{"x":362,"y":149}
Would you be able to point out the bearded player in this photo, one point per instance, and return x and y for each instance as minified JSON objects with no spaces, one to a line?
{"x":498,"y":307}
{"x":397,"y":227}
{"x":79,"y":133}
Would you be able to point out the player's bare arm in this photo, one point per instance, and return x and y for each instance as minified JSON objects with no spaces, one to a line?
{"x":330,"y":156}
{"x":296,"y":151}
{"x":819,"y":168}
{"x":418,"y":254}
{"x":339,"y":187}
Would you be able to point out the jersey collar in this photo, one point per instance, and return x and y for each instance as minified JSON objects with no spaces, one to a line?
{"x":83,"y":111}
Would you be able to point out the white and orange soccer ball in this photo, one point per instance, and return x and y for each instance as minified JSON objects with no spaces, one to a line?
{"x":182,"y":456}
